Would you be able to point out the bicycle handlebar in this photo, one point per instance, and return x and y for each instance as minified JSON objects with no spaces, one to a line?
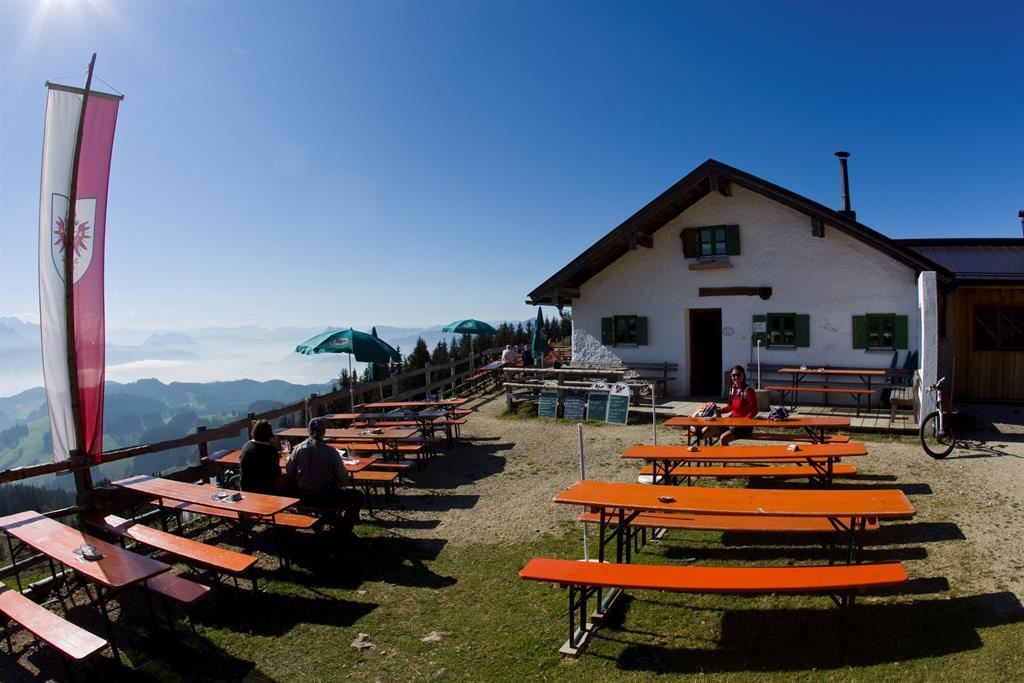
{"x":937,"y":384}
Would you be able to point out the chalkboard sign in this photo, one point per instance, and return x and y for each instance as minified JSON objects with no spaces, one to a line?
{"x":618,"y":409}
{"x":575,"y":405}
{"x":597,"y":405}
{"x":547,"y":405}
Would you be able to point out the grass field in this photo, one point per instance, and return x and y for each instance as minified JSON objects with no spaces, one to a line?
{"x":437,"y":613}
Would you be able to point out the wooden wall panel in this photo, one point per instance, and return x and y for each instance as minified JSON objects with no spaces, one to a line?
{"x":983,"y":375}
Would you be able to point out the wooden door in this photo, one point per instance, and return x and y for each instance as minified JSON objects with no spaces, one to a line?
{"x":706,"y":352}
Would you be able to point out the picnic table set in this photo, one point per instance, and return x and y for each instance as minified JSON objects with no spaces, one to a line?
{"x":105,"y":569}
{"x":625,"y":514}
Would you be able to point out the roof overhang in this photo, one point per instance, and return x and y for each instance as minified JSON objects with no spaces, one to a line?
{"x":711,"y":176}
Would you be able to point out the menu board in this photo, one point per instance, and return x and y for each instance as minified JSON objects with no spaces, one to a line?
{"x":547,"y":405}
{"x":597,"y":405}
{"x":574,"y":406}
{"x":618,"y":404}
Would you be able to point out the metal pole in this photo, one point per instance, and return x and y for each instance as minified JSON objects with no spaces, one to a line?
{"x":654,"y":416}
{"x":83,"y":478}
{"x":758,"y":364}
{"x":583,"y":475}
{"x":351,"y":386}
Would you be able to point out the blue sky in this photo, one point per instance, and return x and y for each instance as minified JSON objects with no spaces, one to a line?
{"x":410,"y":163}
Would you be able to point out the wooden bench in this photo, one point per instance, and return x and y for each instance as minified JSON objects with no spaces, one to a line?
{"x":584,"y":579}
{"x":795,"y":471}
{"x":177,"y":588}
{"x":368,"y":480}
{"x":287,"y":520}
{"x":795,"y":438}
{"x":855,"y":392}
{"x":72,"y":641}
{"x":647,"y":373}
{"x":734,"y":523}
{"x":194,"y":552}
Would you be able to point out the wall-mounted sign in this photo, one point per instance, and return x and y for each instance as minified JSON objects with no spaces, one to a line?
{"x":760,"y":327}
{"x":728,"y":331}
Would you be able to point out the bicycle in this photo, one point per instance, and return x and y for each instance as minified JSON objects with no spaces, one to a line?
{"x":938,"y":438}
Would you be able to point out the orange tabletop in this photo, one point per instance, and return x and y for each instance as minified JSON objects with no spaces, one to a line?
{"x":117,"y":568}
{"x":351,"y":434}
{"x":341,"y":417}
{"x":255,"y":504}
{"x":807,"y":451}
{"x":760,"y":422}
{"x":234,"y":459}
{"x":416,"y":404}
{"x":874,"y":503}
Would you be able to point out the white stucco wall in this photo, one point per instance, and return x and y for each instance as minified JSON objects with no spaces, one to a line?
{"x":831,"y":279}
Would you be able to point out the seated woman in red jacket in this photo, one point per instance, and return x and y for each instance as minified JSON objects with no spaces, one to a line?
{"x":742,"y":403}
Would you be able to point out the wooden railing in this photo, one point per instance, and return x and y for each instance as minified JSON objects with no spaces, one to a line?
{"x":445,"y":380}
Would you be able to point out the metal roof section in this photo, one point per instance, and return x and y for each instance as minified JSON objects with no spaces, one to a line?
{"x":711,"y":176}
{"x":975,"y":260}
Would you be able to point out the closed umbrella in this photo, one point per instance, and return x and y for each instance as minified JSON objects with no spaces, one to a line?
{"x":366,"y":348}
{"x":471,"y":327}
{"x":538,"y":344}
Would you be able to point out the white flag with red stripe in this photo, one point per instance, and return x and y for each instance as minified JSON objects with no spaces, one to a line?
{"x":63,"y":110}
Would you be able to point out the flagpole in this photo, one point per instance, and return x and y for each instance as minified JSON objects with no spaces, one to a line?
{"x":83,"y":478}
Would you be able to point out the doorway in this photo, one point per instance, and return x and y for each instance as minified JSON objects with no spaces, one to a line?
{"x":706,"y":351}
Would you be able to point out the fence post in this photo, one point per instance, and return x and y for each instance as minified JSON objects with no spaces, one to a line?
{"x":204,"y":454}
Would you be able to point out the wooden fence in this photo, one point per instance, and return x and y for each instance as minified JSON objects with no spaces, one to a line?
{"x":447,"y":379}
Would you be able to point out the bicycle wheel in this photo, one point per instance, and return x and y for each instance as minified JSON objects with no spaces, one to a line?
{"x":935,"y":443}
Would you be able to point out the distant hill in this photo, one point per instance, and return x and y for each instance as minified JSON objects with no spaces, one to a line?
{"x":145,"y":411}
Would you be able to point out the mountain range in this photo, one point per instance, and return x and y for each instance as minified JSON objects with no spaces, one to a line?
{"x":200,"y":355}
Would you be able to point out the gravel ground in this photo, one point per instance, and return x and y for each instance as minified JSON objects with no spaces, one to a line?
{"x":498,"y":484}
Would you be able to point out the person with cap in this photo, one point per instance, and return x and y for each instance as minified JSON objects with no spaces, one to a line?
{"x":319,"y":474}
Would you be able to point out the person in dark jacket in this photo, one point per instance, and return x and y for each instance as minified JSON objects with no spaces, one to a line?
{"x":260,"y":460}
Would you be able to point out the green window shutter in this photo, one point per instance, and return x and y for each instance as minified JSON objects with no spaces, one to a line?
{"x":900,"y":333}
{"x":641,"y":331}
{"x":860,"y":332}
{"x":607,"y":331}
{"x":732,"y":239}
{"x":803,"y":329}
{"x":763,"y":336}
{"x":689,"y":237}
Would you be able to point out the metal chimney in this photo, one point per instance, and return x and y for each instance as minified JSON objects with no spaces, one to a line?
{"x":846,"y":210}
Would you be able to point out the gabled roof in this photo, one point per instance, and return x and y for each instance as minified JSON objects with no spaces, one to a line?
{"x":975,"y":260}
{"x":711,"y":176}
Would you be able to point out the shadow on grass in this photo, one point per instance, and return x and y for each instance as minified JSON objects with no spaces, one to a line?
{"x":430,"y":503}
{"x":464,"y":463}
{"x":887,"y":534}
{"x":807,"y":639}
{"x":390,"y":559}
{"x":273,"y":614}
{"x":912,"y":489}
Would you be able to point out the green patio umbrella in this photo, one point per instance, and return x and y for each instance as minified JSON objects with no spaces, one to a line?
{"x":366,"y":348}
{"x":471,"y":327}
{"x":538,"y":344}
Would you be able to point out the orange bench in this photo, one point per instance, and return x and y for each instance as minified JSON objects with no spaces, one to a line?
{"x":368,"y":480}
{"x":798,"y":438}
{"x":753,"y":471}
{"x":72,"y":641}
{"x":585,"y":579}
{"x":208,"y":556}
{"x":735,"y":523}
